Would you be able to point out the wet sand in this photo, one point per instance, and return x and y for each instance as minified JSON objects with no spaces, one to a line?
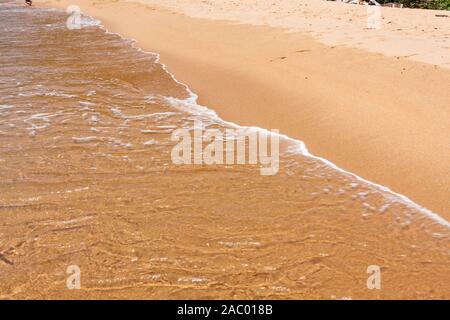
{"x":383,"y":118}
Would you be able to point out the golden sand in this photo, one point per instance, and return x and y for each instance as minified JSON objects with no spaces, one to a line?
{"x":149,"y":229}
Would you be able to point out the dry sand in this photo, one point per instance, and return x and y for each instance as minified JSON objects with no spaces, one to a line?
{"x":377,"y":114}
{"x":420,"y":35}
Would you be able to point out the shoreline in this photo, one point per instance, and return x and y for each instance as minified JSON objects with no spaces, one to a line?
{"x":99,"y":189}
{"x":210,"y":77}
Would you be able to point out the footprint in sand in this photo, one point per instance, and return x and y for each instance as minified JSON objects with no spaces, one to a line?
{"x":302,"y":50}
{"x":279,"y":58}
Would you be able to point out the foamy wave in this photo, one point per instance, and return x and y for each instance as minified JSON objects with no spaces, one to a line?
{"x":87,"y":21}
{"x":299,"y":147}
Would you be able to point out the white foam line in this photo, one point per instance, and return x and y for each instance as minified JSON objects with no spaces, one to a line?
{"x":193,"y":98}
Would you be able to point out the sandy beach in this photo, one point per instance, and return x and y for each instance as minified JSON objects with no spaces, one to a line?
{"x":374,"y":112}
{"x":88,"y":180}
